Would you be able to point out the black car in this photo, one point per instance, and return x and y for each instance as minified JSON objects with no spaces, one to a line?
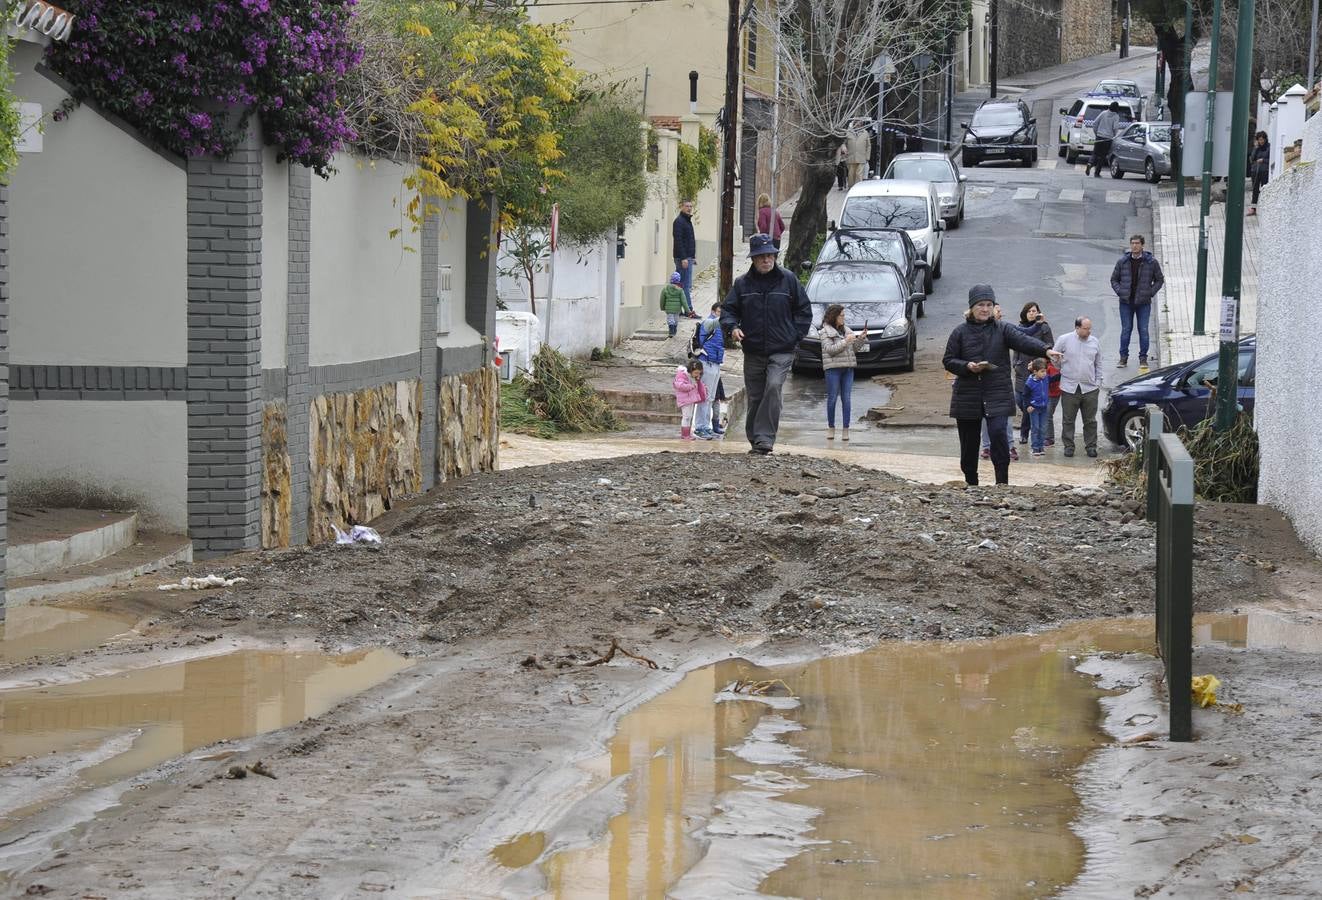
{"x":888,"y":245}
{"x":1001,"y":129}
{"x":875,"y":295}
{"x":1181,"y":392}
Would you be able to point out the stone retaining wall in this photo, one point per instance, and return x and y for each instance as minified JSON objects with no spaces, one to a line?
{"x":1086,"y":27}
{"x":468,"y":423}
{"x":277,"y":491}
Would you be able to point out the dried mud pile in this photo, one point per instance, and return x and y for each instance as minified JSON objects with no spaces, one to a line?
{"x":778,"y":546}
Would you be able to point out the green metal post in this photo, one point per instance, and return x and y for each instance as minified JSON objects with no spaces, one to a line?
{"x":1227,"y":397}
{"x":1186,"y":52}
{"x":1200,"y":286}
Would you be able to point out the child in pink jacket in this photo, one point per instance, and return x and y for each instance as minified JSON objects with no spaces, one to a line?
{"x":689,"y":392}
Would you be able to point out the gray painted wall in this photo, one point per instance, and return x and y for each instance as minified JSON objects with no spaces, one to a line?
{"x":99,"y":263}
{"x":1286,"y":413}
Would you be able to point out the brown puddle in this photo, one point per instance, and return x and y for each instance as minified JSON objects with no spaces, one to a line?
{"x":914,"y":769}
{"x":29,"y":631}
{"x":520,"y":851}
{"x":163,"y":712}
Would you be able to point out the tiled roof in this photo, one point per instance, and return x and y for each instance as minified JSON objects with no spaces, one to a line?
{"x":670,"y":123}
{"x":34,"y":18}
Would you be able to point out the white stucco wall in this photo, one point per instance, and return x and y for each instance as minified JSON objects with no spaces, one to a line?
{"x":1288,"y":382}
{"x":275,"y":259}
{"x":365,"y":286}
{"x":98,"y":242}
{"x":453,"y":253}
{"x":141,"y":454}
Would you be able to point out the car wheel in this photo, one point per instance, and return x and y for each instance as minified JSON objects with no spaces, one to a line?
{"x":936,"y":269}
{"x":922,"y":310}
{"x":927,"y":280}
{"x":961,"y":212}
{"x":909,"y":362}
{"x":1071,"y":156}
{"x":953,"y":222}
{"x":968,"y":160}
{"x":1060,"y":150}
{"x":1132,"y":428}
{"x":1116,"y":172}
{"x":1150,"y":172}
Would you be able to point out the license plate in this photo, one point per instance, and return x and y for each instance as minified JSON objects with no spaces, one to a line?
{"x":995,"y":149}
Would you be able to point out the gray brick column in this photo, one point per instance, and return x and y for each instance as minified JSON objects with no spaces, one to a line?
{"x":4,"y":389}
{"x":299,"y":383}
{"x":431,"y":260}
{"x":224,"y":350}
{"x":480,"y":271}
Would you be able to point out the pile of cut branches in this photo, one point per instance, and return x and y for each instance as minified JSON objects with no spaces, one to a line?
{"x":555,"y":398}
{"x":1225,"y":462}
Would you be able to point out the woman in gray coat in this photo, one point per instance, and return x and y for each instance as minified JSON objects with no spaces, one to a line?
{"x":838,"y":362}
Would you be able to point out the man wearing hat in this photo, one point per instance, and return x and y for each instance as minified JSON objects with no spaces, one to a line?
{"x":767,"y":311}
{"x":978,"y":355}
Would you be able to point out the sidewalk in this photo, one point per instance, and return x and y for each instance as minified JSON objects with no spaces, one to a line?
{"x":1176,"y":240}
{"x":1030,"y":80}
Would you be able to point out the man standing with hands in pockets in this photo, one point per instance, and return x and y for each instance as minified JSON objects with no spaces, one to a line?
{"x":1080,"y":384}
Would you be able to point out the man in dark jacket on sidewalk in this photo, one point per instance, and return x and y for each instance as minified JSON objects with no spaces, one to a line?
{"x":1136,"y":279}
{"x":686,"y":252}
{"x":768,"y":312}
{"x":978,"y":355}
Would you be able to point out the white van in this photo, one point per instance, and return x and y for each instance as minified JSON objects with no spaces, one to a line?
{"x":911,"y":205}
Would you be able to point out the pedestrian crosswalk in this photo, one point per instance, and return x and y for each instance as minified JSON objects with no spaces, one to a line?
{"x":1065,"y":195}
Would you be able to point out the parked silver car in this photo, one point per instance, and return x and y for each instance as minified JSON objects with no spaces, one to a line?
{"x":1142,"y":147}
{"x":942,"y":172}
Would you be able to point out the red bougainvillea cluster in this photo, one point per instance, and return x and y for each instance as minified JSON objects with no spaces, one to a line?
{"x":173,"y":68}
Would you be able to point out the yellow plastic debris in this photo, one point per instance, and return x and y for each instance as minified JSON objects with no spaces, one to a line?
{"x":1204,"y":690}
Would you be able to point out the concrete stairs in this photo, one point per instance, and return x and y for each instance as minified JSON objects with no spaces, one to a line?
{"x":54,"y":552}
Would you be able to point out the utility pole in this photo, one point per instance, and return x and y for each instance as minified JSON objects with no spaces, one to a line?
{"x":991,"y":57}
{"x":730,"y":155}
{"x":1227,"y":379}
{"x":1200,"y":287}
{"x":1183,"y":89}
{"x":1124,"y":29}
{"x":1312,"y":48}
{"x":950,"y":88}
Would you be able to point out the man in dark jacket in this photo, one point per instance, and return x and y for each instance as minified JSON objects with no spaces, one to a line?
{"x":978,"y":355}
{"x":1136,"y":279}
{"x":768,"y":312}
{"x":686,"y":252}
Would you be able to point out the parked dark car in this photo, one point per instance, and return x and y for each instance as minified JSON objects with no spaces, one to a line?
{"x":875,"y":295}
{"x":1181,"y":392}
{"x":1001,"y":129}
{"x":887,"y":245}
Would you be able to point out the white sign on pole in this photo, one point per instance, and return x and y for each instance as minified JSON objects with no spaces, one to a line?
{"x":1195,"y":118}
{"x":1229,"y":323}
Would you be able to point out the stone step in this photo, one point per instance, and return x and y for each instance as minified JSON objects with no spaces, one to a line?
{"x":151,"y":552}
{"x":47,"y":540}
{"x":648,"y":416}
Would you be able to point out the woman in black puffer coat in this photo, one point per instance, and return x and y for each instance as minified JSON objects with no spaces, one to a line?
{"x":978,"y":355}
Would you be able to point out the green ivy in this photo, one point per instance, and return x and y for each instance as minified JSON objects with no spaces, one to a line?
{"x":695,"y":164}
{"x":11,"y":124}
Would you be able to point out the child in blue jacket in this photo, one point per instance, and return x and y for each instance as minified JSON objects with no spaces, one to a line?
{"x":1037,"y":397}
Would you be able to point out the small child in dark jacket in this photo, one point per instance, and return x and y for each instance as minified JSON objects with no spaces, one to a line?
{"x":1037,"y":394}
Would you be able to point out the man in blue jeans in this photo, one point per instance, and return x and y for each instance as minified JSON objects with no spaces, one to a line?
{"x":1136,"y":279}
{"x":686,"y":252}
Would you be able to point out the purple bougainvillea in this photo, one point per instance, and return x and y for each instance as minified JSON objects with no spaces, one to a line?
{"x":171,"y":67}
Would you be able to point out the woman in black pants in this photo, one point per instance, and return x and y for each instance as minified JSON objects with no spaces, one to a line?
{"x":978,"y":355}
{"x":1259,"y":164}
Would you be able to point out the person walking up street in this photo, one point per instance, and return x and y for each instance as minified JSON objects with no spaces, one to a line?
{"x":769,"y":220}
{"x":860,"y":148}
{"x":768,"y":313}
{"x":686,"y":252}
{"x":1136,"y":278}
{"x":978,"y":355}
{"x":1104,"y":130}
{"x":842,"y":166}
{"x":711,"y":353}
{"x":672,"y":302}
{"x":839,"y":358}
{"x":1080,"y":384}
{"x":1259,"y":164}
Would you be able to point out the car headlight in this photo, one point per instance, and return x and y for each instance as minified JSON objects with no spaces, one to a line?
{"x":920,"y":244}
{"x":947,"y":200}
{"x":896,"y":328}
{"x":970,"y":138}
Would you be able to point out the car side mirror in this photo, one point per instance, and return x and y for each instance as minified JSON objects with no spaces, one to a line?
{"x":805,"y":266}
{"x":963,"y":178}
{"x":830,"y":226}
{"x":1064,"y":111}
{"x":964,"y":125}
{"x":917,"y":297}
{"x":940,"y":225}
{"x":921,"y":263}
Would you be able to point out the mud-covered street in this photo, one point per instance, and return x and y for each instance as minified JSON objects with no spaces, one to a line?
{"x":505,"y":593}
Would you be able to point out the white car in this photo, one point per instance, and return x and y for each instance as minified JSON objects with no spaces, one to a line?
{"x":1075,"y":131}
{"x":939,"y":169}
{"x":911,"y":205}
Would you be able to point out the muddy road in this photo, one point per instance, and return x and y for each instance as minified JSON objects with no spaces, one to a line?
{"x":507,"y":591}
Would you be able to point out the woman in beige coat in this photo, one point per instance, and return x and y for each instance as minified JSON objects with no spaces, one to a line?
{"x":838,"y":362}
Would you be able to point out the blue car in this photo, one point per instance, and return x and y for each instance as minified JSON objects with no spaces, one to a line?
{"x":1182,"y":393}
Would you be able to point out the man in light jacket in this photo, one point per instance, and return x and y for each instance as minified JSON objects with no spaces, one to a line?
{"x":1080,"y":384}
{"x":859,"y":143}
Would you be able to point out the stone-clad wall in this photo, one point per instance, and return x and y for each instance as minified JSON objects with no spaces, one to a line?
{"x":1029,"y":37}
{"x":468,"y":423}
{"x":366,"y":453}
{"x":1086,"y":29}
{"x":1286,"y":412}
{"x":277,"y":492}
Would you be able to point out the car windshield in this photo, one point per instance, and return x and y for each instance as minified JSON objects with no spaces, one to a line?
{"x":873,"y":315}
{"x":1160,"y":134}
{"x":855,"y":284}
{"x":888,"y":248}
{"x":997,"y":116}
{"x":885,"y":212}
{"x":921,"y":170}
{"x":1119,"y":88}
